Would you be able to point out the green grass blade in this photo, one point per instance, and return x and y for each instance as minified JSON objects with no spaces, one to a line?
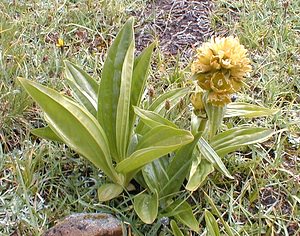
{"x":217,"y":212}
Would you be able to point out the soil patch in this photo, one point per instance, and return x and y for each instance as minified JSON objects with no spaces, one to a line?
{"x":180,"y":25}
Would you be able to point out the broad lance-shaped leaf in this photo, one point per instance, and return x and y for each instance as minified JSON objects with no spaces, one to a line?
{"x":211,"y":224}
{"x":210,"y":154}
{"x":156,"y":143}
{"x":74,"y":125}
{"x":199,"y":171}
{"x":46,"y":133}
{"x":155,"y":174}
{"x":146,"y":207}
{"x":183,"y":212}
{"x":233,"y":139}
{"x":109,"y":88}
{"x":158,"y":106}
{"x":122,"y":121}
{"x":82,"y":79}
{"x":109,"y":191}
{"x":215,"y":116}
{"x":248,"y":110}
{"x":178,"y":168}
{"x":175,"y":229}
{"x":201,"y":167}
{"x":85,"y":88}
{"x":173,"y":96}
{"x":152,"y":119}
{"x":216,"y":212}
{"x":139,"y":77}
{"x":83,"y":99}
{"x":1,"y":151}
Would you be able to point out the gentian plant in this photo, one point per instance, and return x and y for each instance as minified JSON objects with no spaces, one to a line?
{"x":98,"y":121}
{"x":106,"y":122}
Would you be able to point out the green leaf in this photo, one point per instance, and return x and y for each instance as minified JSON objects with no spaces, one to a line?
{"x":179,"y":168}
{"x":46,"y":133}
{"x":122,"y":120}
{"x":152,"y":119}
{"x":199,"y":173}
{"x":233,"y":139}
{"x":183,"y":212}
{"x":109,"y":191}
{"x":146,"y":207}
{"x":83,"y":85}
{"x":242,"y":109}
{"x":109,"y":89}
{"x":215,"y":116}
{"x":155,"y":174}
{"x":211,"y":224}
{"x":216,"y":211}
{"x":175,"y":229}
{"x":156,"y":143}
{"x":139,"y":77}
{"x":158,"y":106}
{"x":209,"y":153}
{"x":74,"y":125}
{"x":82,"y":98}
{"x":173,"y":96}
{"x":195,"y":123}
{"x":81,"y":78}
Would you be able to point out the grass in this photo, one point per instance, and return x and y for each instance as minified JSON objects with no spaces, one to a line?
{"x":41,"y":182}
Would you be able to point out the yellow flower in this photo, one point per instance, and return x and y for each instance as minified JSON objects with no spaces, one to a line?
{"x":219,"y":99}
{"x":60,"y":43}
{"x":220,"y":68}
{"x":196,"y":100}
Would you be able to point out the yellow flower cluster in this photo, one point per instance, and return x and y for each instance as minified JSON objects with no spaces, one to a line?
{"x":220,"y":68}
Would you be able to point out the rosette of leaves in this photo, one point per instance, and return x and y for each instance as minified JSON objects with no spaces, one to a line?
{"x":98,"y":121}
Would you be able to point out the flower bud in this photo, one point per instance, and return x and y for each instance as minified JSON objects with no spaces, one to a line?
{"x":196,"y":100}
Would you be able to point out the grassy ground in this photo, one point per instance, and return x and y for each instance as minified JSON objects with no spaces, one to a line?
{"x":41,"y":182}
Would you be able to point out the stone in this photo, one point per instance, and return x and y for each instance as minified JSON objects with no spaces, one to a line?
{"x":87,"y":224}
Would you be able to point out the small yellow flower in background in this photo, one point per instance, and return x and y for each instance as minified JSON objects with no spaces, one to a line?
{"x":60,"y":43}
{"x":220,"y":67}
